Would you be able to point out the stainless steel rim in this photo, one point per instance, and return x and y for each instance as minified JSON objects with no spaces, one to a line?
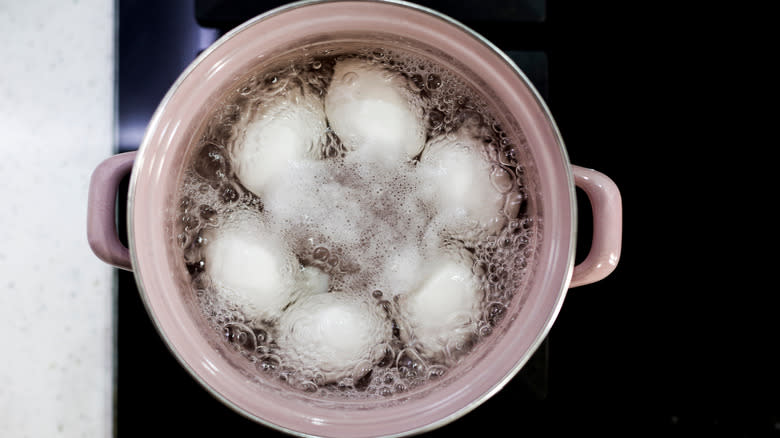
{"x":559,"y":140}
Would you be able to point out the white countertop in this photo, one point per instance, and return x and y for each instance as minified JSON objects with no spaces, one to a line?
{"x":56,"y":298}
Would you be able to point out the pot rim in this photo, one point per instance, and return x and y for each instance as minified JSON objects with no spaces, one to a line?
{"x":154,"y":121}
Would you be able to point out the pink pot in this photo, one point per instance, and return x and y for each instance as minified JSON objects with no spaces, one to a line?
{"x":153,"y":254}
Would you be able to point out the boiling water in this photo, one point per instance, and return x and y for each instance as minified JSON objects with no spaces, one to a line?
{"x":354,"y":223}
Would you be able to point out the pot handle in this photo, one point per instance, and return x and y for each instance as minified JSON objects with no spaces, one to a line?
{"x":607,"y":209}
{"x":101,"y":210}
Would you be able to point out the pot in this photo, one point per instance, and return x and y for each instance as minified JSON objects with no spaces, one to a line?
{"x":155,"y":259}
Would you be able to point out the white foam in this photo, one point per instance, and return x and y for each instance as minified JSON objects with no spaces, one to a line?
{"x":288,"y":130}
{"x":313,"y":281}
{"x":443,"y":309}
{"x":402,"y":270}
{"x":255,"y":270}
{"x":373,"y":113}
{"x":332,"y":333}
{"x":309,"y":196}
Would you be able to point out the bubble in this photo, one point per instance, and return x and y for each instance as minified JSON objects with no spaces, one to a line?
{"x":495,"y":312}
{"x":185,"y":203}
{"x":349,"y":78}
{"x":261,"y":335}
{"x":196,"y":267}
{"x":417,"y":82}
{"x":479,"y":269}
{"x":309,"y":386}
{"x":508,"y":156}
{"x":396,"y":330}
{"x":183,"y":239}
{"x":192,"y":253}
{"x":269,"y":363}
{"x":386,"y":357}
{"x":409,"y":363}
{"x":434,"y":81}
{"x":436,"y":371}
{"x":229,"y":194}
{"x":240,"y":336}
{"x":502,"y":180}
{"x":190,"y":222}
{"x":386,"y":306}
{"x":513,"y":205}
{"x":208,"y":214}
{"x":435,"y":119}
{"x":469,"y":120}
{"x":321,"y":254}
{"x":211,"y":163}
{"x":457,"y":348}
{"x":361,"y":384}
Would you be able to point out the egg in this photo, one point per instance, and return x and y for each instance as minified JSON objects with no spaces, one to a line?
{"x":373,"y":113}
{"x":288,"y":131}
{"x":458,"y":180}
{"x":333,"y":333}
{"x":256,"y":271}
{"x":443,"y":309}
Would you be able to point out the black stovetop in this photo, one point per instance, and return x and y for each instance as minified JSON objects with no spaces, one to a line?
{"x":608,"y":350}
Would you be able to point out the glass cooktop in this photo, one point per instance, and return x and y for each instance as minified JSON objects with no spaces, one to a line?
{"x":554,"y":392}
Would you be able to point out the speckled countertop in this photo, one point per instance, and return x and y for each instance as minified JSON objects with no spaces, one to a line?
{"x":56,"y":298}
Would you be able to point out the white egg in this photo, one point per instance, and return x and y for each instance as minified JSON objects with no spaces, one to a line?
{"x":458,"y":180}
{"x":288,"y":131}
{"x":443,"y":310}
{"x":256,"y":271}
{"x":333,"y":333}
{"x":373,"y":113}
